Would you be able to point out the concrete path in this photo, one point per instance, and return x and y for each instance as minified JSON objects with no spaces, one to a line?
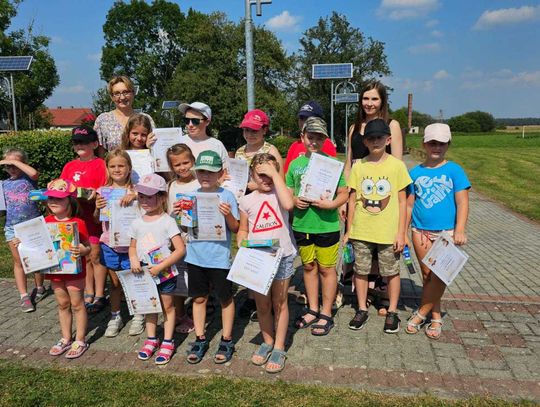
{"x":490,"y":343}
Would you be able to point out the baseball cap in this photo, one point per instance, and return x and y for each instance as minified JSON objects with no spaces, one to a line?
{"x":60,"y":188}
{"x":209,"y":160}
{"x":84,"y":134}
{"x":311,"y":108}
{"x":255,"y":119}
{"x":377,"y":127}
{"x":202,"y":108}
{"x":315,"y":124}
{"x":438,"y":132}
{"x":151,"y":184}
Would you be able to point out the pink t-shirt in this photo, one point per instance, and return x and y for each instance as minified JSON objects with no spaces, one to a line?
{"x":268,"y":220}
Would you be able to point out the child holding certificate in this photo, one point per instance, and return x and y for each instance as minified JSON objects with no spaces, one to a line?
{"x":438,"y":202}
{"x":136,"y":132}
{"x":376,"y":220}
{"x":113,"y":257}
{"x":316,"y":230}
{"x":209,"y":261}
{"x":22,"y":179}
{"x":69,"y":288}
{"x":264,"y":214}
{"x":156,"y":229}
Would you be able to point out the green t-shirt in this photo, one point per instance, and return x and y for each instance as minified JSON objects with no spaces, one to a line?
{"x":312,"y":219}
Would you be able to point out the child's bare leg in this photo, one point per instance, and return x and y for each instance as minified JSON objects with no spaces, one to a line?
{"x":311,"y":283}
{"x":151,"y":325}
{"x":264,"y":315}
{"x":199,"y":314}
{"x":169,"y":313}
{"x":64,"y":312}
{"x":280,"y":303}
{"x":227,"y":318}
{"x":39,"y":279}
{"x":431,"y":298}
{"x":179,"y":304}
{"x":361,"y":285}
{"x":329,"y":288}
{"x":89,"y":281}
{"x":100,"y":271}
{"x":18,"y":271}
{"x":394,"y":287}
{"x":116,"y":292}
{"x":78,"y":309}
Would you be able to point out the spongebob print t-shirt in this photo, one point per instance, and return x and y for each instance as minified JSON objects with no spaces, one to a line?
{"x":434,"y":191}
{"x":376,"y":215}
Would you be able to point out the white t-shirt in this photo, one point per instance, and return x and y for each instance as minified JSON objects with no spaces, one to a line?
{"x":150,"y":235}
{"x":176,"y":188}
{"x":198,"y":146}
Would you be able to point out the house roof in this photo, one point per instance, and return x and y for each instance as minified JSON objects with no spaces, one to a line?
{"x":64,"y":117}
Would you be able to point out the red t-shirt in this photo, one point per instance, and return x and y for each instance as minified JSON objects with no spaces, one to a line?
{"x":83,"y":238}
{"x":298,"y":148}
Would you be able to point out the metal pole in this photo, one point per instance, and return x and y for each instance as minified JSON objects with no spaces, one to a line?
{"x":332,"y":112}
{"x":13,"y":102}
{"x":249,"y":58}
{"x":346,"y":125}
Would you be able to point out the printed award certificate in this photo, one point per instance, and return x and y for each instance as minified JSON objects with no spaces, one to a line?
{"x":210,"y":222}
{"x":64,"y":235}
{"x":445,"y":259}
{"x":156,"y":256}
{"x":110,"y":194}
{"x":120,"y":222}
{"x":2,"y":197}
{"x":142,"y":164}
{"x":141,"y":292}
{"x":321,"y":178}
{"x":36,"y":248}
{"x":255,"y":268}
{"x":165,"y":138}
{"x":239,"y":173}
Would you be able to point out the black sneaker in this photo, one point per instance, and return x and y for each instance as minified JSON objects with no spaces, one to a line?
{"x":391,"y":323}
{"x":247,"y":308}
{"x":359,"y":320}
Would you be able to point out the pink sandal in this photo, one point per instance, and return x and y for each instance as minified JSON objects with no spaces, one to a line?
{"x":165,"y":353}
{"x":185,"y":325}
{"x":61,"y":346}
{"x":77,"y":350}
{"x":148,"y":349}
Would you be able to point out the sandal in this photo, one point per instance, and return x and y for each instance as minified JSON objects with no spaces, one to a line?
{"x":301,"y":323}
{"x":197,"y":351}
{"x":278,"y":358}
{"x":436,"y":331}
{"x":301,"y":299}
{"x":263,"y":353}
{"x":165,"y":353}
{"x":89,"y":297}
{"x":148,"y":349}
{"x":225,"y":349}
{"x":326,"y":328}
{"x":98,"y":304}
{"x":61,"y":346}
{"x":185,"y":325}
{"x":77,"y":350}
{"x":413,"y":327}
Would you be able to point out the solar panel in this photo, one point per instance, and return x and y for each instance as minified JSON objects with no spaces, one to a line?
{"x":346,"y":98}
{"x":170,"y":104}
{"x":19,"y":63}
{"x":331,"y":71}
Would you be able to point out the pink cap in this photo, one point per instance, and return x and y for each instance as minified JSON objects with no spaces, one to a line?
{"x":151,"y":184}
{"x":60,"y":188}
{"x":255,"y":119}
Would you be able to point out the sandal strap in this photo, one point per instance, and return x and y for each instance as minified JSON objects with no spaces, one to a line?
{"x":278,"y":357}
{"x":311,"y":312}
{"x":264,"y":350}
{"x":166,"y":350}
{"x":326,"y":318}
{"x":437,"y":321}
{"x":149,"y":346}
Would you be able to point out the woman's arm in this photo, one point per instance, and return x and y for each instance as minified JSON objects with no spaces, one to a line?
{"x":462,"y":206}
{"x":396,"y":143}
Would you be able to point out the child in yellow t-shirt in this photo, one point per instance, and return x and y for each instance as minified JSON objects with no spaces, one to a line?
{"x":377,"y":220}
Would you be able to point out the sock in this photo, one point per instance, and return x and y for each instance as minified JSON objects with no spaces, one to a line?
{"x":152,"y":338}
{"x":201,"y":338}
{"x":24,"y":295}
{"x":115,"y":314}
{"x":167,"y":340}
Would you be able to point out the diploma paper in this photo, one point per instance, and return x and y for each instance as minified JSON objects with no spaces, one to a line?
{"x":36,"y":248}
{"x":239,"y":173}
{"x":2,"y":197}
{"x":120,"y":222}
{"x":165,"y":138}
{"x":110,"y":194}
{"x":142,"y":164}
{"x":321,"y":178}
{"x":255,"y":268}
{"x":210,"y":221}
{"x":445,"y":259}
{"x":141,"y":292}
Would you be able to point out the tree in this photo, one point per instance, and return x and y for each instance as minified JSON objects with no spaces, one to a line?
{"x":418,"y":119}
{"x":463,"y":124}
{"x":485,"y":120}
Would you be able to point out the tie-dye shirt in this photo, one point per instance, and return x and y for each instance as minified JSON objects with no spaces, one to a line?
{"x":18,"y":207}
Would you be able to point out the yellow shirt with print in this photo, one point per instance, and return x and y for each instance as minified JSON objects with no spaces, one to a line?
{"x":376,"y":214}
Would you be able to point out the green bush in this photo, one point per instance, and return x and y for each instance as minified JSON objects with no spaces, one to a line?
{"x":47,"y":151}
{"x":282,"y":143}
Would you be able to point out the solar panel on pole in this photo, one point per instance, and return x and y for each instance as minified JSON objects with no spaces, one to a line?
{"x":18,"y":63}
{"x":332,"y":71}
{"x":170,"y":104}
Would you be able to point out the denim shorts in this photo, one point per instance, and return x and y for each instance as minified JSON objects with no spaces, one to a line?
{"x":167,"y":287}
{"x":9,"y":232}
{"x":286,"y":268}
{"x":114,"y":260}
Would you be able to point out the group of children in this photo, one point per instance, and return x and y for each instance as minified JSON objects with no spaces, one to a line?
{"x":379,"y":213}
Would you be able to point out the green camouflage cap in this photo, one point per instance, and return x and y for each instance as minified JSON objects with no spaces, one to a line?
{"x":315,"y":124}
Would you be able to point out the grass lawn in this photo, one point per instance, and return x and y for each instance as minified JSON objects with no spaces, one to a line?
{"x":503,"y":166}
{"x":24,"y":386}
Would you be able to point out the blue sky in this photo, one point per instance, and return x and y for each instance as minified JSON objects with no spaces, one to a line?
{"x":453,"y":55}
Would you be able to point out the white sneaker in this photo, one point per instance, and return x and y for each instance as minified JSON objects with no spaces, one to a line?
{"x":137,"y":325}
{"x":113,"y":327}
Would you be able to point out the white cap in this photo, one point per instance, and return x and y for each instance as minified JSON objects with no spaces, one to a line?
{"x":203,"y":108}
{"x":438,"y":132}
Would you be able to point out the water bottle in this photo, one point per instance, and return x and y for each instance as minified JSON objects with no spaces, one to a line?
{"x":407,"y":259}
{"x":348,"y":253}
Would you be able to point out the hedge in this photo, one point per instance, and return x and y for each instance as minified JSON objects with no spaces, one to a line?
{"x":47,"y":151}
{"x":282,"y":143}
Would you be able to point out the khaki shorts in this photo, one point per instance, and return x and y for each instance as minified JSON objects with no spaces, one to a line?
{"x":364,"y":252}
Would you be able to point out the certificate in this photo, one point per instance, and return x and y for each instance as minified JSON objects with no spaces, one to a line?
{"x":2,"y":197}
{"x":239,"y":174}
{"x":255,"y":268}
{"x":110,"y":194}
{"x":120,"y":223}
{"x":210,"y":221}
{"x":445,"y":259}
{"x":165,"y":138}
{"x":36,"y":248}
{"x":321,"y":178}
{"x":141,"y":292}
{"x":142,"y":164}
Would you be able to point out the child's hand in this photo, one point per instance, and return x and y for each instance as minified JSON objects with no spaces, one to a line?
{"x":76,"y":250}
{"x":323,"y":204}
{"x":177,"y":207}
{"x":155,"y":269}
{"x":225,"y":208}
{"x":346,"y":238}
{"x":460,"y":238}
{"x":150,"y":140}
{"x":15,"y":242}
{"x":226,"y":177}
{"x":266,"y":169}
{"x":136,"y":266}
{"x":127,"y":200}
{"x":100,"y":202}
{"x":399,"y":243}
{"x":300,"y":203}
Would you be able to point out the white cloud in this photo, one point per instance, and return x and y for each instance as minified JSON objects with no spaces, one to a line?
{"x":425,"y":48}
{"x":406,"y":9}
{"x":432,"y":23}
{"x":56,"y":40}
{"x":284,"y":22}
{"x":94,"y":57}
{"x":409,"y":85}
{"x":72,"y":89}
{"x":507,"y":16}
{"x":442,"y":74}
{"x":436,"y":34}
{"x":504,"y":77}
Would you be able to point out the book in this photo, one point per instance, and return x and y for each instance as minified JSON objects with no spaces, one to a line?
{"x":64,"y":235}
{"x":156,"y":256}
{"x":188,"y":210}
{"x":109,"y":194}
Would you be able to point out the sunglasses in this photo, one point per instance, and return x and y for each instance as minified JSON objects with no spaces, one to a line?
{"x":194,"y":121}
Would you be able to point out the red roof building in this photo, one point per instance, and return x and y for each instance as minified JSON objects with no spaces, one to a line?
{"x":68,"y":117}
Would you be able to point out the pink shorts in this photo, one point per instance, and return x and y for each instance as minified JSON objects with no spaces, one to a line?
{"x":93,"y":240}
{"x":77,"y":284}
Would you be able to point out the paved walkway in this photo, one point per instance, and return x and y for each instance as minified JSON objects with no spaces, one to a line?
{"x":490,"y":343}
